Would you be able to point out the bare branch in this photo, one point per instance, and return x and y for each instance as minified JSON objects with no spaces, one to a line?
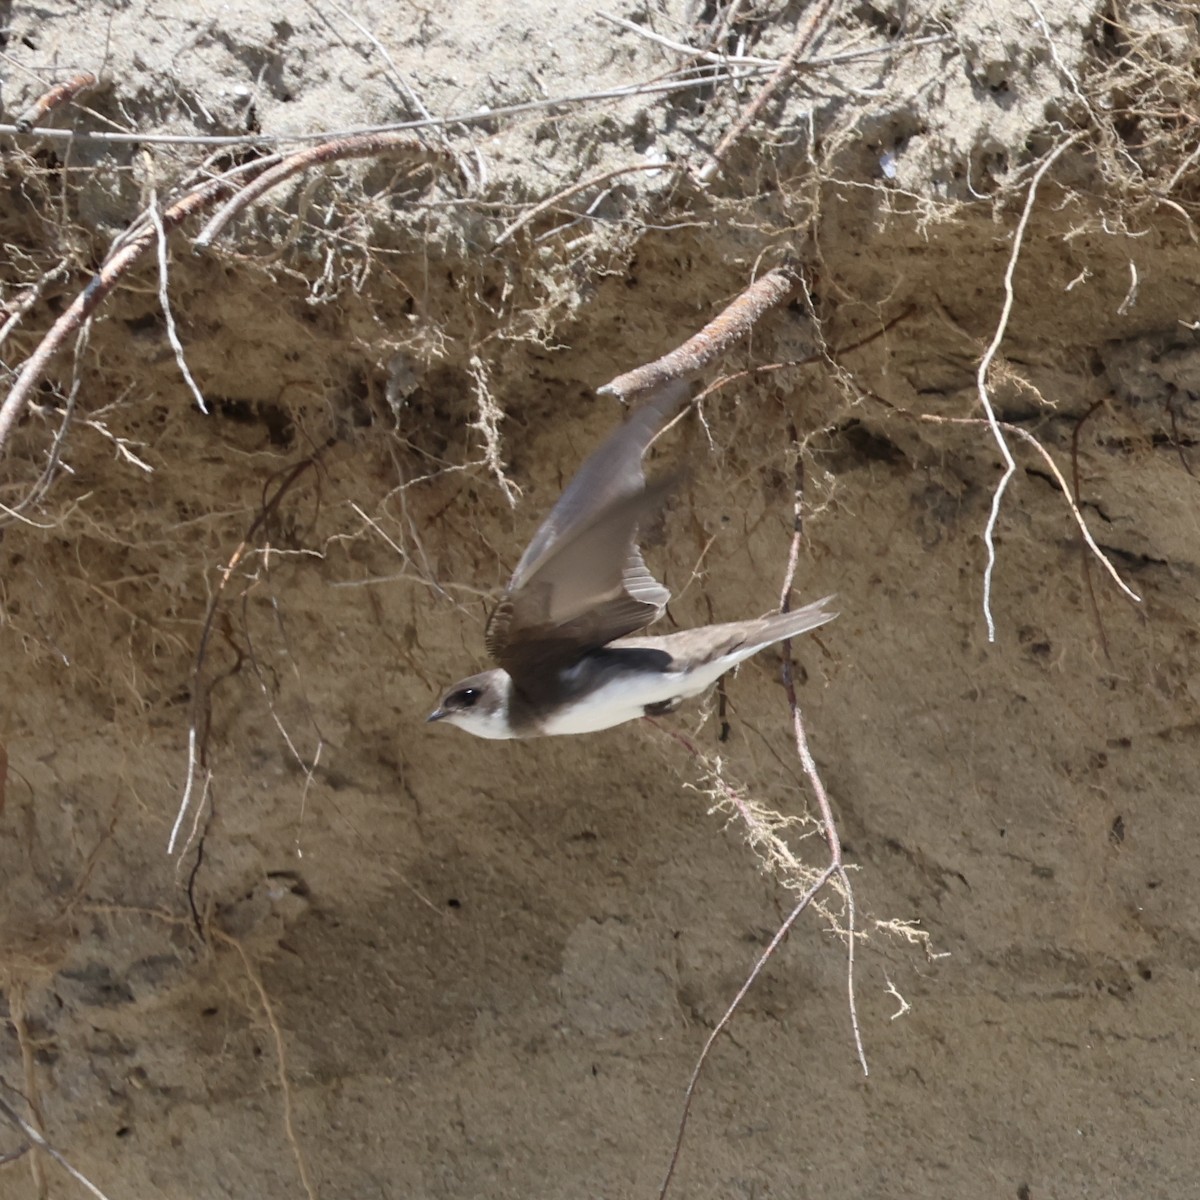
{"x":812,"y":25}
{"x":714,"y":340}
{"x":88,"y":300}
{"x":15,"y":1119}
{"x":595,"y":181}
{"x":334,"y":151}
{"x":985,"y":364}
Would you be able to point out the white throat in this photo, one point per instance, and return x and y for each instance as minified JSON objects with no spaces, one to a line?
{"x":491,"y":721}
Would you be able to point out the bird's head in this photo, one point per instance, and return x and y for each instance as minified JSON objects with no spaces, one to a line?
{"x":479,"y":705}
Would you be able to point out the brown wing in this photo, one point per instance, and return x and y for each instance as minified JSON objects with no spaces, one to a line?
{"x":612,"y":472}
{"x":586,"y":589}
{"x":581,"y":581}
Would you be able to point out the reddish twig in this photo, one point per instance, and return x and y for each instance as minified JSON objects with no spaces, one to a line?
{"x":362,"y":146}
{"x":811,"y":28}
{"x":102,"y":283}
{"x":56,"y":97}
{"x":714,"y":340}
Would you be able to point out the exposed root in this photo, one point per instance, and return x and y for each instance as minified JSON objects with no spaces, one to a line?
{"x":914,"y":935}
{"x":285,"y":1087}
{"x":362,"y":146}
{"x":762,"y":827}
{"x":732,"y":324}
{"x":15,"y":1119}
{"x":985,"y":363}
{"x":999,"y":429}
{"x":198,"y":724}
{"x":30,"y":297}
{"x":43,"y":482}
{"x":164,"y":300}
{"x":88,"y":300}
{"x":488,"y":424}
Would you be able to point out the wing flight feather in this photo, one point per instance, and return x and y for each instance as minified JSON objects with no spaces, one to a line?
{"x":582,"y":581}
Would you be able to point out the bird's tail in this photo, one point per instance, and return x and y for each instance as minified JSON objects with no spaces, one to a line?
{"x":732,"y":643}
{"x":793,"y":623}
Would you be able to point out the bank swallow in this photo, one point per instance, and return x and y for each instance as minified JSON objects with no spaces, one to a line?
{"x":560,"y":634}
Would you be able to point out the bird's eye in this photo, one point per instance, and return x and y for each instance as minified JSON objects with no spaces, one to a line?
{"x":467,"y":697}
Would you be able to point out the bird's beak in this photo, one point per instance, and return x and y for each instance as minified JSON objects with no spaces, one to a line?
{"x":436,"y":715}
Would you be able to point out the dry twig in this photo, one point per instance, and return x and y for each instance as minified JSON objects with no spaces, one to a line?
{"x":531,"y":214}
{"x":985,"y":400}
{"x":56,"y":97}
{"x":362,"y":146}
{"x":732,"y":324}
{"x":15,"y":1119}
{"x":813,"y":24}
{"x":88,"y":300}
{"x":757,"y":831}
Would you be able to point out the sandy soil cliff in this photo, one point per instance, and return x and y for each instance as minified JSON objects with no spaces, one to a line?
{"x":388,"y":960}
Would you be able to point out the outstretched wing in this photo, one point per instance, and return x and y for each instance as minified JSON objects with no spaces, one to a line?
{"x":582,"y":582}
{"x":612,"y":472}
{"x":591,"y":587}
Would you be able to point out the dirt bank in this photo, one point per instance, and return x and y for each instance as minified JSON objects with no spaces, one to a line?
{"x":386,"y":959}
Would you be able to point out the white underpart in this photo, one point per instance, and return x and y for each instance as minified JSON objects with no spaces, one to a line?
{"x":625,"y":698}
{"x":489,"y":720}
{"x":492,"y":725}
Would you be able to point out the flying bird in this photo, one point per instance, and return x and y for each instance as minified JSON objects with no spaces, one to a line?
{"x":560,"y":634}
